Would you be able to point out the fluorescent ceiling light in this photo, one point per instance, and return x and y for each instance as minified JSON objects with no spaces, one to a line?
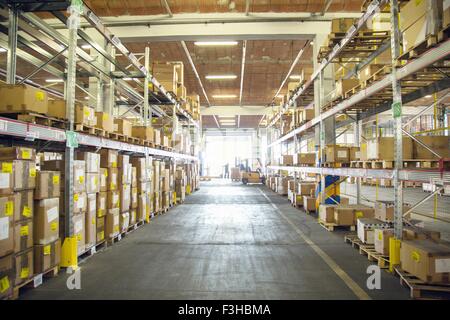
{"x":128,"y":79}
{"x":215,"y":43}
{"x":86,"y":98}
{"x":3,"y":50}
{"x":280,"y":96}
{"x":54,"y":80}
{"x":295,"y":77}
{"x":428,"y":96}
{"x":231,"y":120}
{"x":86,"y":46}
{"x":224,"y":96}
{"x":221,"y":76}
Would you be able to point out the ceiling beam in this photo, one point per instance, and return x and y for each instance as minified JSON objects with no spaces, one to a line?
{"x":188,"y":55}
{"x":244,"y":50}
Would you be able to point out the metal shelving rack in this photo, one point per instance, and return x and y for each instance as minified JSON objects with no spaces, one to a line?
{"x":21,"y":17}
{"x":438,"y":177}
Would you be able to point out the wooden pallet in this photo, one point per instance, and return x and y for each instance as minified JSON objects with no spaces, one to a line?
{"x":417,"y":50}
{"x":353,"y":240}
{"x":91,"y":130}
{"x":34,"y":282}
{"x":332,"y":226}
{"x":37,"y":118}
{"x":335,"y":164}
{"x":420,"y":289}
{"x":381,"y":260}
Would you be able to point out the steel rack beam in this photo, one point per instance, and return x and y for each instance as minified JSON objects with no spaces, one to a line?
{"x":371,"y":10}
{"x":424,"y":176}
{"x":431,"y":56}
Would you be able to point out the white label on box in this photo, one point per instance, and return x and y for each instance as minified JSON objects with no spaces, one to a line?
{"x":52,"y":214}
{"x":342,"y":153}
{"x":92,"y":204}
{"x":79,"y":173}
{"x":37,"y":281}
{"x":102,"y":203}
{"x":78,"y":227}
{"x":80,"y":202}
{"x":4,"y":228}
{"x":442,"y":265}
{"x":4,"y":180}
{"x":116,"y":220}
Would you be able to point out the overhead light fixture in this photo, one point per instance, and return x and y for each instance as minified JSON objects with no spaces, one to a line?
{"x":428,"y":96}
{"x":311,"y":43}
{"x":128,"y":79}
{"x":227,"y":120}
{"x":54,"y":80}
{"x":280,"y":96}
{"x":224,"y":96}
{"x":221,"y":76}
{"x":3,"y":50}
{"x":86,"y":46}
{"x":295,"y":77}
{"x":215,"y":43}
{"x":86,"y":98}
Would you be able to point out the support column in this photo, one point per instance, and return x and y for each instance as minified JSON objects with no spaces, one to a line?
{"x":109,"y":89}
{"x":357,"y":132}
{"x":96,"y":84}
{"x":146,"y":93}
{"x":12,"y":47}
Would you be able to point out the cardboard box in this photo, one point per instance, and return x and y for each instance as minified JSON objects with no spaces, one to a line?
{"x":113,"y":200}
{"x":123,"y":126}
{"x":335,"y":153}
{"x":101,"y":204}
{"x":157,"y":137}
{"x":381,"y":237}
{"x":383,"y":148}
{"x":427,"y":260}
{"x":9,"y":207}
{"x":326,"y":212}
{"x":366,"y":227}
{"x":20,"y":98}
{"x":309,"y":203}
{"x":143,"y":187}
{"x":23,"y":235}
{"x":446,"y":14}
{"x":411,"y":12}
{"x":17,"y":153}
{"x":17,"y":175}
{"x":108,"y":158}
{"x":125,"y":175}
{"x":92,"y":182}
{"x":112,"y":225}
{"x":48,"y":185}
{"x":132,"y":217}
{"x":79,"y":203}
{"x":47,"y":256}
{"x":112,"y":179}
{"x":100,"y":229}
{"x":6,"y":178}
{"x":105,"y":121}
{"x":286,"y":160}
{"x":143,"y":132}
{"x":142,"y":207}
{"x":91,"y":203}
{"x":439,"y":144}
{"x":133,"y":177}
{"x":46,"y":221}
{"x":354,"y":153}
{"x":24,"y":266}
{"x":141,"y":168}
{"x":6,"y":227}
{"x":306,"y":189}
{"x":79,"y":224}
{"x":23,"y":205}
{"x":344,"y":216}
{"x":368,"y":71}
{"x":125,"y":197}
{"x":92,"y":161}
{"x":6,"y":275}
{"x":85,"y":115}
{"x":341,"y":25}
{"x":124,"y":221}
{"x":344,"y":85}
{"x":103,"y":179}
{"x":90,"y":228}
{"x":384,"y":210}
{"x":79,"y":176}
{"x":134,"y":198}
{"x":305,"y":159}
{"x":415,"y":233}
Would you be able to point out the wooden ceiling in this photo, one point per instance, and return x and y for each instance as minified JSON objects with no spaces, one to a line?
{"x":154,"y":7}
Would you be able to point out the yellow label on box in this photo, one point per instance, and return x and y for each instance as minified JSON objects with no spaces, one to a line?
{"x":106,"y":173}
{"x":81,"y":179}
{"x":54,"y":226}
{"x":79,"y":237}
{"x":76,"y":197}
{"x":105,"y":117}
{"x":86,"y":113}
{"x":55,"y":179}
{"x":114,"y":164}
{"x":40,"y":96}
{"x":359,"y":214}
{"x":95,"y":180}
{"x":112,"y":186}
{"x":116,"y":228}
{"x":24,"y":273}
{"x":26,"y":211}
{"x":93,"y":220}
{"x":33,"y":172}
{"x":99,"y":212}
{"x":4,"y":284}
{"x":380,"y":236}
{"x":47,"y":250}
{"x":7,"y":167}
{"x":101,"y":235}
{"x":415,"y":256}
{"x":9,"y":208}
{"x":26,"y":154}
{"x":23,"y":231}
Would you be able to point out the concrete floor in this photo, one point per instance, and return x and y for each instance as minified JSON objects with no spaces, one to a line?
{"x":227,"y":241}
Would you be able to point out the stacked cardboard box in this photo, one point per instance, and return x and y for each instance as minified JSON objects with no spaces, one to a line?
{"x":21,"y":98}
{"x":109,"y":162}
{"x":144,"y":179}
{"x":366,"y":229}
{"x":180,"y":184}
{"x":93,"y":188}
{"x":344,"y":214}
{"x":17,"y":183}
{"x":123,"y":127}
{"x":337,"y":154}
{"x":125,"y":177}
{"x":382,"y":148}
{"x":306,"y":159}
{"x":105,"y":121}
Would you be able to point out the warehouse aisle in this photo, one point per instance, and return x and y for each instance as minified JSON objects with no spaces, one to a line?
{"x":227,"y":241}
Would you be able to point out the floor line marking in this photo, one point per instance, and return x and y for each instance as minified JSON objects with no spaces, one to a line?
{"x":357,"y":290}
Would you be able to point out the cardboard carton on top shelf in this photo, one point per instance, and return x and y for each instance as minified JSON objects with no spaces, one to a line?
{"x":123,"y":127}
{"x":143,"y":132}
{"x":382,"y":148}
{"x":47,"y":256}
{"x":305,"y":158}
{"x":336,"y":153}
{"x":105,"y":121}
{"x":85,"y":115}
{"x":17,"y":98}
{"x":439,"y":144}
{"x":17,"y":153}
